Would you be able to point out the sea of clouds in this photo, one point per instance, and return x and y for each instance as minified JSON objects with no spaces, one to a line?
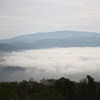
{"x":73,"y":63}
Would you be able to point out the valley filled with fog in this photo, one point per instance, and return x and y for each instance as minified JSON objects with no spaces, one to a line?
{"x":73,"y":63}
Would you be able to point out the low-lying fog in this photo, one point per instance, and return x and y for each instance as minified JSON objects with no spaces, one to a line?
{"x":73,"y":63}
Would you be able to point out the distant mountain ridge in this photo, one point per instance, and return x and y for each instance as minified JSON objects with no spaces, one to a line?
{"x":51,"y":39}
{"x":8,"y":47}
{"x":47,"y":35}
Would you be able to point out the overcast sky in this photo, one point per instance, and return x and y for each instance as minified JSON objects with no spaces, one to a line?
{"x":18,"y":17}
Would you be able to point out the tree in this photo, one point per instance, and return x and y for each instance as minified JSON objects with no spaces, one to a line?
{"x":91,"y":84}
{"x":65,"y":87}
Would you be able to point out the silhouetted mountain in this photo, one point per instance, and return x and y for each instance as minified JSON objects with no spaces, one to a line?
{"x":52,"y":39}
{"x":48,"y":35}
{"x":22,"y":45}
{"x":7,"y":47}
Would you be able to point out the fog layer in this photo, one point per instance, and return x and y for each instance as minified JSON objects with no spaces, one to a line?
{"x":72,"y":63}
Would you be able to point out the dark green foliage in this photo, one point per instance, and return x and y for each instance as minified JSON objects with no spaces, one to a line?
{"x":7,"y":92}
{"x":65,"y":87}
{"x":51,"y":89}
{"x":91,"y":84}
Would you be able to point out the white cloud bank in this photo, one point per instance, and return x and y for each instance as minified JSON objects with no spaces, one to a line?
{"x":73,"y":63}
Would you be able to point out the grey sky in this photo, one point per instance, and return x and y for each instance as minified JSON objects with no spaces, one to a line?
{"x":18,"y":17}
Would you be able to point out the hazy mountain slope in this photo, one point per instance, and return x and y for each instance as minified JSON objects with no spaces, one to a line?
{"x":79,"y":41}
{"x":22,"y":45}
{"x":75,"y":41}
{"x":48,"y":35}
{"x":7,"y":47}
{"x":52,"y":39}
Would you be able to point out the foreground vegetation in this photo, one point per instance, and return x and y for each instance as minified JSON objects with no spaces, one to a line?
{"x":51,"y":89}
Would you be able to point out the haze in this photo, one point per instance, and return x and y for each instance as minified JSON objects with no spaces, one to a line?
{"x":73,"y":63}
{"x":19,"y":17}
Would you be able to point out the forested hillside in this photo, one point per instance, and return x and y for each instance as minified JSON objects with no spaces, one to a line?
{"x":51,"y":89}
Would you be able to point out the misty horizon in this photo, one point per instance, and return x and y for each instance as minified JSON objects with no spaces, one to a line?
{"x":32,"y":16}
{"x":52,"y":52}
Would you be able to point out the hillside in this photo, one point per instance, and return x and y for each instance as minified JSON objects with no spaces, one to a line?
{"x":51,"y":89}
{"x":7,"y":47}
{"x":30,"y":38}
{"x":51,"y":39}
